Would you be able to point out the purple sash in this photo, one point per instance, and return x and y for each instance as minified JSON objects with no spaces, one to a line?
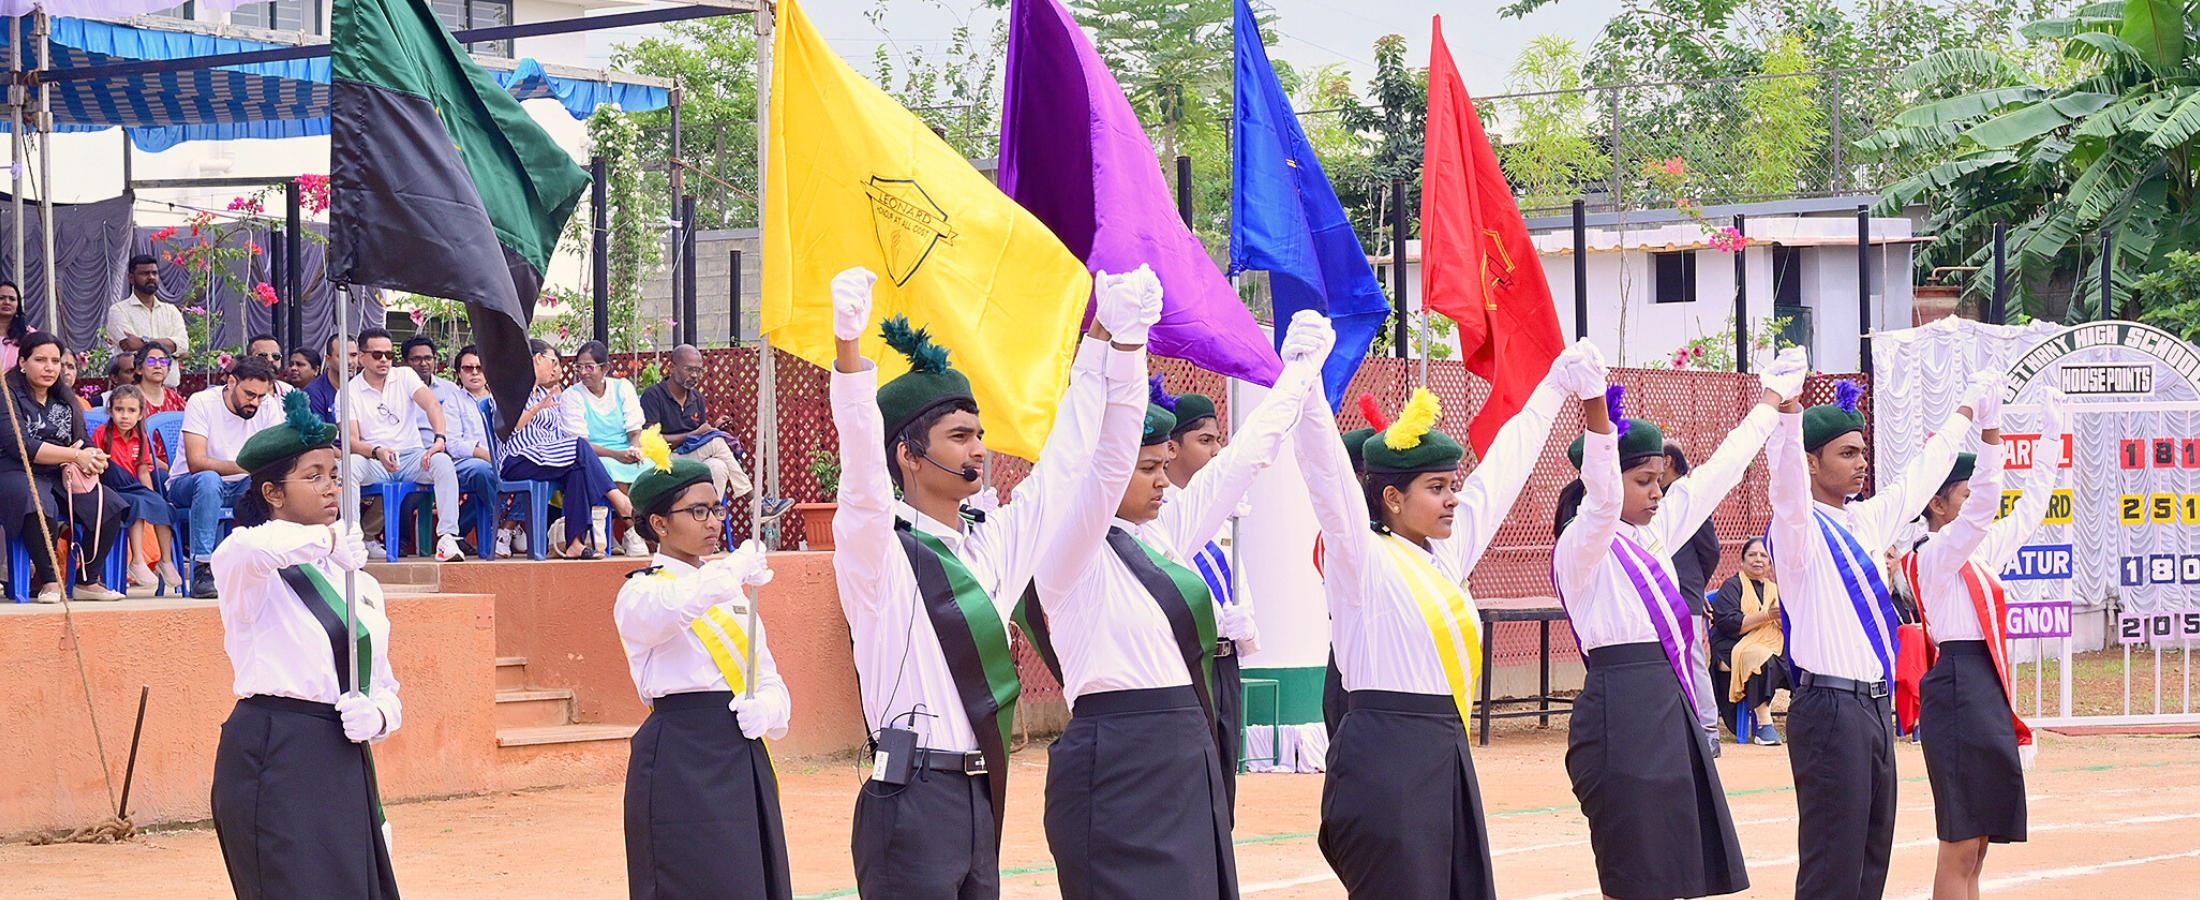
{"x":1676,"y":628}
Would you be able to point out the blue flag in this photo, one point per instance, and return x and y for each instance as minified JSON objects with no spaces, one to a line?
{"x":1285,"y":218}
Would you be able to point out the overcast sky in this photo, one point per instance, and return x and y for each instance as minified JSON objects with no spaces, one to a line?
{"x":1311,"y":32}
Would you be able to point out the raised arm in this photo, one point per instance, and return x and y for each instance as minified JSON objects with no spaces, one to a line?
{"x":1689,"y":502}
{"x":1340,"y":507}
{"x":1788,"y":486}
{"x":2006,"y":537}
{"x":1212,"y":495}
{"x":1586,"y":540}
{"x":1487,"y":498}
{"x":863,"y":529}
{"x":1894,"y":504}
{"x":1961,"y":537}
{"x":1128,"y":307}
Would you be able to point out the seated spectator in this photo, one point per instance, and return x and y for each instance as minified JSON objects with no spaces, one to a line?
{"x":467,"y":435}
{"x":544,"y":449}
{"x":323,"y":389}
{"x":12,"y":324}
{"x":305,"y":365}
{"x":153,"y":367}
{"x":1747,"y":638}
{"x":384,"y":409}
{"x":266,"y":347}
{"x":216,"y":423}
{"x":71,"y":363}
{"x":144,"y":320}
{"x":50,"y":431}
{"x":675,"y":405}
{"x":121,"y":370}
{"x":133,"y":454}
{"x":470,"y":375}
{"x":608,"y":412}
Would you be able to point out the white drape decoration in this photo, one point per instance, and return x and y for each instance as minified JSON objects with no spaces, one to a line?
{"x":1919,"y":373}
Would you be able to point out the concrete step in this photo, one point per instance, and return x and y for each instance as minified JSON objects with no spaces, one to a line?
{"x":408,"y":575}
{"x":511,"y":672}
{"x":562,"y":734}
{"x":533,"y":709}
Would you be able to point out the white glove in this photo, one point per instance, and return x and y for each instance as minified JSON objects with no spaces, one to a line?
{"x":1983,"y":396}
{"x":1310,"y":337}
{"x":745,"y":565}
{"x":757,"y":715}
{"x":1129,"y":304}
{"x":2054,"y":423}
{"x":350,"y":550}
{"x":1236,"y":623}
{"x":852,"y":302}
{"x":1786,"y":374}
{"x":362,"y":719}
{"x":1579,"y":371}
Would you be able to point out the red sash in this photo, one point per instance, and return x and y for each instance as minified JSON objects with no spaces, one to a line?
{"x":1990,"y":601}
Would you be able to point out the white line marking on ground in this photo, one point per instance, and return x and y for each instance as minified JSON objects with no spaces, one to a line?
{"x":1292,"y":882}
{"x":1995,"y":884}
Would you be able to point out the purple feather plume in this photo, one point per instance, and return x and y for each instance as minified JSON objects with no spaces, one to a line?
{"x":1615,"y":404}
{"x":1846,"y":393}
{"x":1159,"y":396}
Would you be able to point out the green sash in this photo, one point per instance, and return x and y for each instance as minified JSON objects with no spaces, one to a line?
{"x":974,"y":642}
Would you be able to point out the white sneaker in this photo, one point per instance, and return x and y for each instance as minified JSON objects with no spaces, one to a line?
{"x":503,"y":542}
{"x":519,"y":539}
{"x":635,"y":546}
{"x":446,"y":550}
{"x":375,"y":552}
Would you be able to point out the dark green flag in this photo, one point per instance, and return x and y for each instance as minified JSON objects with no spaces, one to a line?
{"x":439,"y":184}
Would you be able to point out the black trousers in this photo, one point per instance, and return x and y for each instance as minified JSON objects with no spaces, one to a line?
{"x":1230,"y":712}
{"x":100,"y":512}
{"x":1134,"y":805}
{"x":930,"y":839}
{"x":702,"y":807}
{"x":1841,"y":750}
{"x":1333,"y":697}
{"x":294,"y":806}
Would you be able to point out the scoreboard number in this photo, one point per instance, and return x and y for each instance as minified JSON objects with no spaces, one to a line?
{"x":2134,"y":509}
{"x":2162,"y":510}
{"x":2165,"y":453}
{"x":2163,"y":626}
{"x":2133,"y":455}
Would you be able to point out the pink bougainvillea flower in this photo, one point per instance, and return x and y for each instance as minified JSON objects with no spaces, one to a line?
{"x":165,"y":233}
{"x":252,"y":247}
{"x":1675,"y":166}
{"x":265,"y":293}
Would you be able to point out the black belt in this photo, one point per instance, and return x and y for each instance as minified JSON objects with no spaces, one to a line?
{"x":1873,"y":689}
{"x":692,"y":700}
{"x":1626,"y":654}
{"x":1225,"y":647}
{"x":1140,"y":700}
{"x":1402,"y":702}
{"x":1964,"y":648}
{"x":292,"y":705}
{"x":960,"y":762}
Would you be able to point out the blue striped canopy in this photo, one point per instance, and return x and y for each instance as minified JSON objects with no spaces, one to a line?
{"x":282,"y":99}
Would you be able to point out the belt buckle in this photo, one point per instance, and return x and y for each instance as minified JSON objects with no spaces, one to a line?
{"x":1225,"y":647}
{"x":1877,"y":690}
{"x":973,"y":763}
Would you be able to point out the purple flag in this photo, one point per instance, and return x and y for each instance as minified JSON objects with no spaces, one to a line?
{"x":1075,"y":155}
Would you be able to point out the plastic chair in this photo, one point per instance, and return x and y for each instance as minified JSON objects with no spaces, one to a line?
{"x":19,"y":569}
{"x":393,"y":494}
{"x":1745,"y":722}
{"x":537,"y":511}
{"x":93,"y":418}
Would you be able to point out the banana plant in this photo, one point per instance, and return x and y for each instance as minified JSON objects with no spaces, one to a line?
{"x":2111,"y":151}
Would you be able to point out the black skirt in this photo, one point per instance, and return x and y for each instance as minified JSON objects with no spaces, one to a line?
{"x":702,"y":807}
{"x":1971,"y":747}
{"x":1135,"y":803}
{"x":1641,"y":767}
{"x":1401,"y":809}
{"x":1757,"y":690}
{"x":294,"y":806}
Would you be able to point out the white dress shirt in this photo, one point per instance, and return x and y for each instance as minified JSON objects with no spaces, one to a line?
{"x":275,"y":643}
{"x":897,"y":651}
{"x":130,"y":316}
{"x":387,"y":416}
{"x":665,"y":656}
{"x":1194,"y":514}
{"x":1108,"y":632}
{"x":463,"y":426}
{"x":1824,"y":635}
{"x":1974,"y":536}
{"x":1376,"y":626}
{"x":1601,"y":600}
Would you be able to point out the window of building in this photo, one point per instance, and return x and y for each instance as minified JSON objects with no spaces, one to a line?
{"x":186,"y":11}
{"x":1787,"y":276}
{"x":459,"y":15}
{"x":280,"y":15}
{"x":1676,"y":277}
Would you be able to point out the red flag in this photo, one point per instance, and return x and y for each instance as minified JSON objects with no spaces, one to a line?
{"x":1477,"y":264}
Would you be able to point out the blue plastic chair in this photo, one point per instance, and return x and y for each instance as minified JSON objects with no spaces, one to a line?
{"x":169,"y":425}
{"x":536,"y":513}
{"x":93,"y":418}
{"x":393,"y":494}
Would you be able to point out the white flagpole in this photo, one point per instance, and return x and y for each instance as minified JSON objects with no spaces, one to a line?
{"x":350,"y":510}
{"x":766,"y":450}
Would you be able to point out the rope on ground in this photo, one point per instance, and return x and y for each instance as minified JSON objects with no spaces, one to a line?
{"x":113,"y":831}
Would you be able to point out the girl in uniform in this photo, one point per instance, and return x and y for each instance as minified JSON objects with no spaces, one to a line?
{"x":295,"y":805}
{"x":702,"y":801}
{"x":1636,"y":748}
{"x":1401,"y":810}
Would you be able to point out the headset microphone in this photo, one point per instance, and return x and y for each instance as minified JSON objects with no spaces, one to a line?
{"x":968,"y":474}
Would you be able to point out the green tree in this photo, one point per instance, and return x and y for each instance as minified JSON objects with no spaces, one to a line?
{"x":1788,"y":129}
{"x":1394,"y":121}
{"x":1549,"y":152}
{"x":958,"y":91}
{"x":713,"y":61}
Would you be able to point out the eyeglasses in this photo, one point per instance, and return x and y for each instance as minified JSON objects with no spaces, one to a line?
{"x":704,"y":512}
{"x":323,"y":482}
{"x":378,"y":354}
{"x":154,"y":361}
{"x":419,"y":360}
{"x":388,"y":414}
{"x":270,"y":357}
{"x":589,"y":367}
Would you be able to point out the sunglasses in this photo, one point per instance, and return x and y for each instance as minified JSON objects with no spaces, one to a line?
{"x":271,"y":357}
{"x":378,"y":354}
{"x":469,"y":368}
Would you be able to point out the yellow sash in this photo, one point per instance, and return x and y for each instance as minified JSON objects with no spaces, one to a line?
{"x":727,"y":643}
{"x":1451,"y":620}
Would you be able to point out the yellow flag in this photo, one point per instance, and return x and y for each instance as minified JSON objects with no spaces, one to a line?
{"x":854,"y":179}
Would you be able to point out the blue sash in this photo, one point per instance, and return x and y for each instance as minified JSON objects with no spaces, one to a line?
{"x":1214,"y":567}
{"x":1875,"y":612}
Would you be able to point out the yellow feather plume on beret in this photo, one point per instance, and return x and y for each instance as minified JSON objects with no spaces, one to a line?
{"x":655,"y":449}
{"x":1418,"y":416}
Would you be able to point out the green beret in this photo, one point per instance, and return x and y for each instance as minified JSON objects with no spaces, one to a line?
{"x":1160,"y":424}
{"x":1966,"y":464}
{"x":656,"y":484}
{"x":1436,"y":452}
{"x":301,"y":430}
{"x":1190,"y":408}
{"x":930,"y":383}
{"x":1354,"y":442}
{"x":1823,"y":423}
{"x":1637,"y":438}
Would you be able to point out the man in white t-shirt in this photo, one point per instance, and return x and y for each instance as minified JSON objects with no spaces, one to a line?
{"x":386,"y":403}
{"x":216,"y":423}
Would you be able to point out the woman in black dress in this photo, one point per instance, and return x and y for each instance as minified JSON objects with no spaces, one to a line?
{"x":44,"y":433}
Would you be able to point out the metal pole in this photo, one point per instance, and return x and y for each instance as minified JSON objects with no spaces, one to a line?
{"x":2000,"y":313}
{"x":599,"y":257}
{"x":1581,"y":269}
{"x":1838,"y":162}
{"x":1398,"y":267}
{"x":676,"y":178}
{"x":1864,"y":289}
{"x":767,"y":449}
{"x":687,"y":269}
{"x":1184,"y":189}
{"x":2108,"y":273}
{"x":733,"y":297}
{"x":275,"y":279}
{"x":18,"y":270}
{"x":294,"y":251}
{"x":45,"y":175}
{"x":350,"y":510}
{"x":1741,"y":303}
